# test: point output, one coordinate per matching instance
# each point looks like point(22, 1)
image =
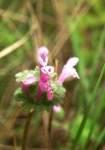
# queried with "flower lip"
point(43, 55)
point(69, 70)
point(43, 49)
point(30, 80)
point(47, 69)
point(72, 61)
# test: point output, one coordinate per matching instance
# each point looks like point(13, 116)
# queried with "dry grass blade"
point(8, 147)
point(37, 37)
point(9, 14)
point(8, 129)
point(63, 36)
point(17, 44)
point(59, 13)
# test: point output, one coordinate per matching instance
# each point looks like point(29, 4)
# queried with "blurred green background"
point(68, 28)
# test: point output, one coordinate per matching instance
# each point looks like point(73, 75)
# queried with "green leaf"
point(57, 101)
point(19, 95)
point(37, 72)
point(27, 106)
point(45, 104)
point(58, 89)
point(29, 102)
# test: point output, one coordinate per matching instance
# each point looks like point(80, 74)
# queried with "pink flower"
point(30, 80)
point(69, 70)
point(44, 85)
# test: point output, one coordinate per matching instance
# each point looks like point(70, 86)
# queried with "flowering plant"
point(39, 89)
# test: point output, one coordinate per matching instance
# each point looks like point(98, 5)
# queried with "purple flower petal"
point(25, 88)
point(47, 69)
point(68, 70)
point(30, 80)
point(43, 55)
point(39, 92)
point(44, 78)
point(72, 61)
point(49, 94)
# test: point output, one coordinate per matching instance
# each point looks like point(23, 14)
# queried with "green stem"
point(49, 129)
point(25, 134)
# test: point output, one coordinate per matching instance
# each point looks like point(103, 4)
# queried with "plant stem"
point(26, 129)
point(49, 128)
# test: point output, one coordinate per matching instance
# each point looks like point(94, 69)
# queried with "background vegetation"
point(68, 28)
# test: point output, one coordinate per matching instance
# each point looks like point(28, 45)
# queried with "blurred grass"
point(86, 115)
point(68, 28)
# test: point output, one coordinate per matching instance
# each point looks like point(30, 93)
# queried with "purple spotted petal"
point(44, 85)
point(49, 95)
point(47, 69)
point(43, 56)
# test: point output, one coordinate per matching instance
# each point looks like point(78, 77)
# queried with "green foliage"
point(21, 76)
point(100, 138)
point(86, 115)
point(28, 105)
point(83, 37)
point(60, 114)
point(31, 102)
point(19, 95)
point(44, 104)
point(58, 89)
point(74, 127)
point(27, 101)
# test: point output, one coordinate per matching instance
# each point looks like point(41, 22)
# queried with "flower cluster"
point(38, 88)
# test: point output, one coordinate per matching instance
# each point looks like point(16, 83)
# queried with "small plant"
point(39, 88)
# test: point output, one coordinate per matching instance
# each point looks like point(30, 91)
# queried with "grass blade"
point(97, 115)
point(88, 109)
point(99, 139)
